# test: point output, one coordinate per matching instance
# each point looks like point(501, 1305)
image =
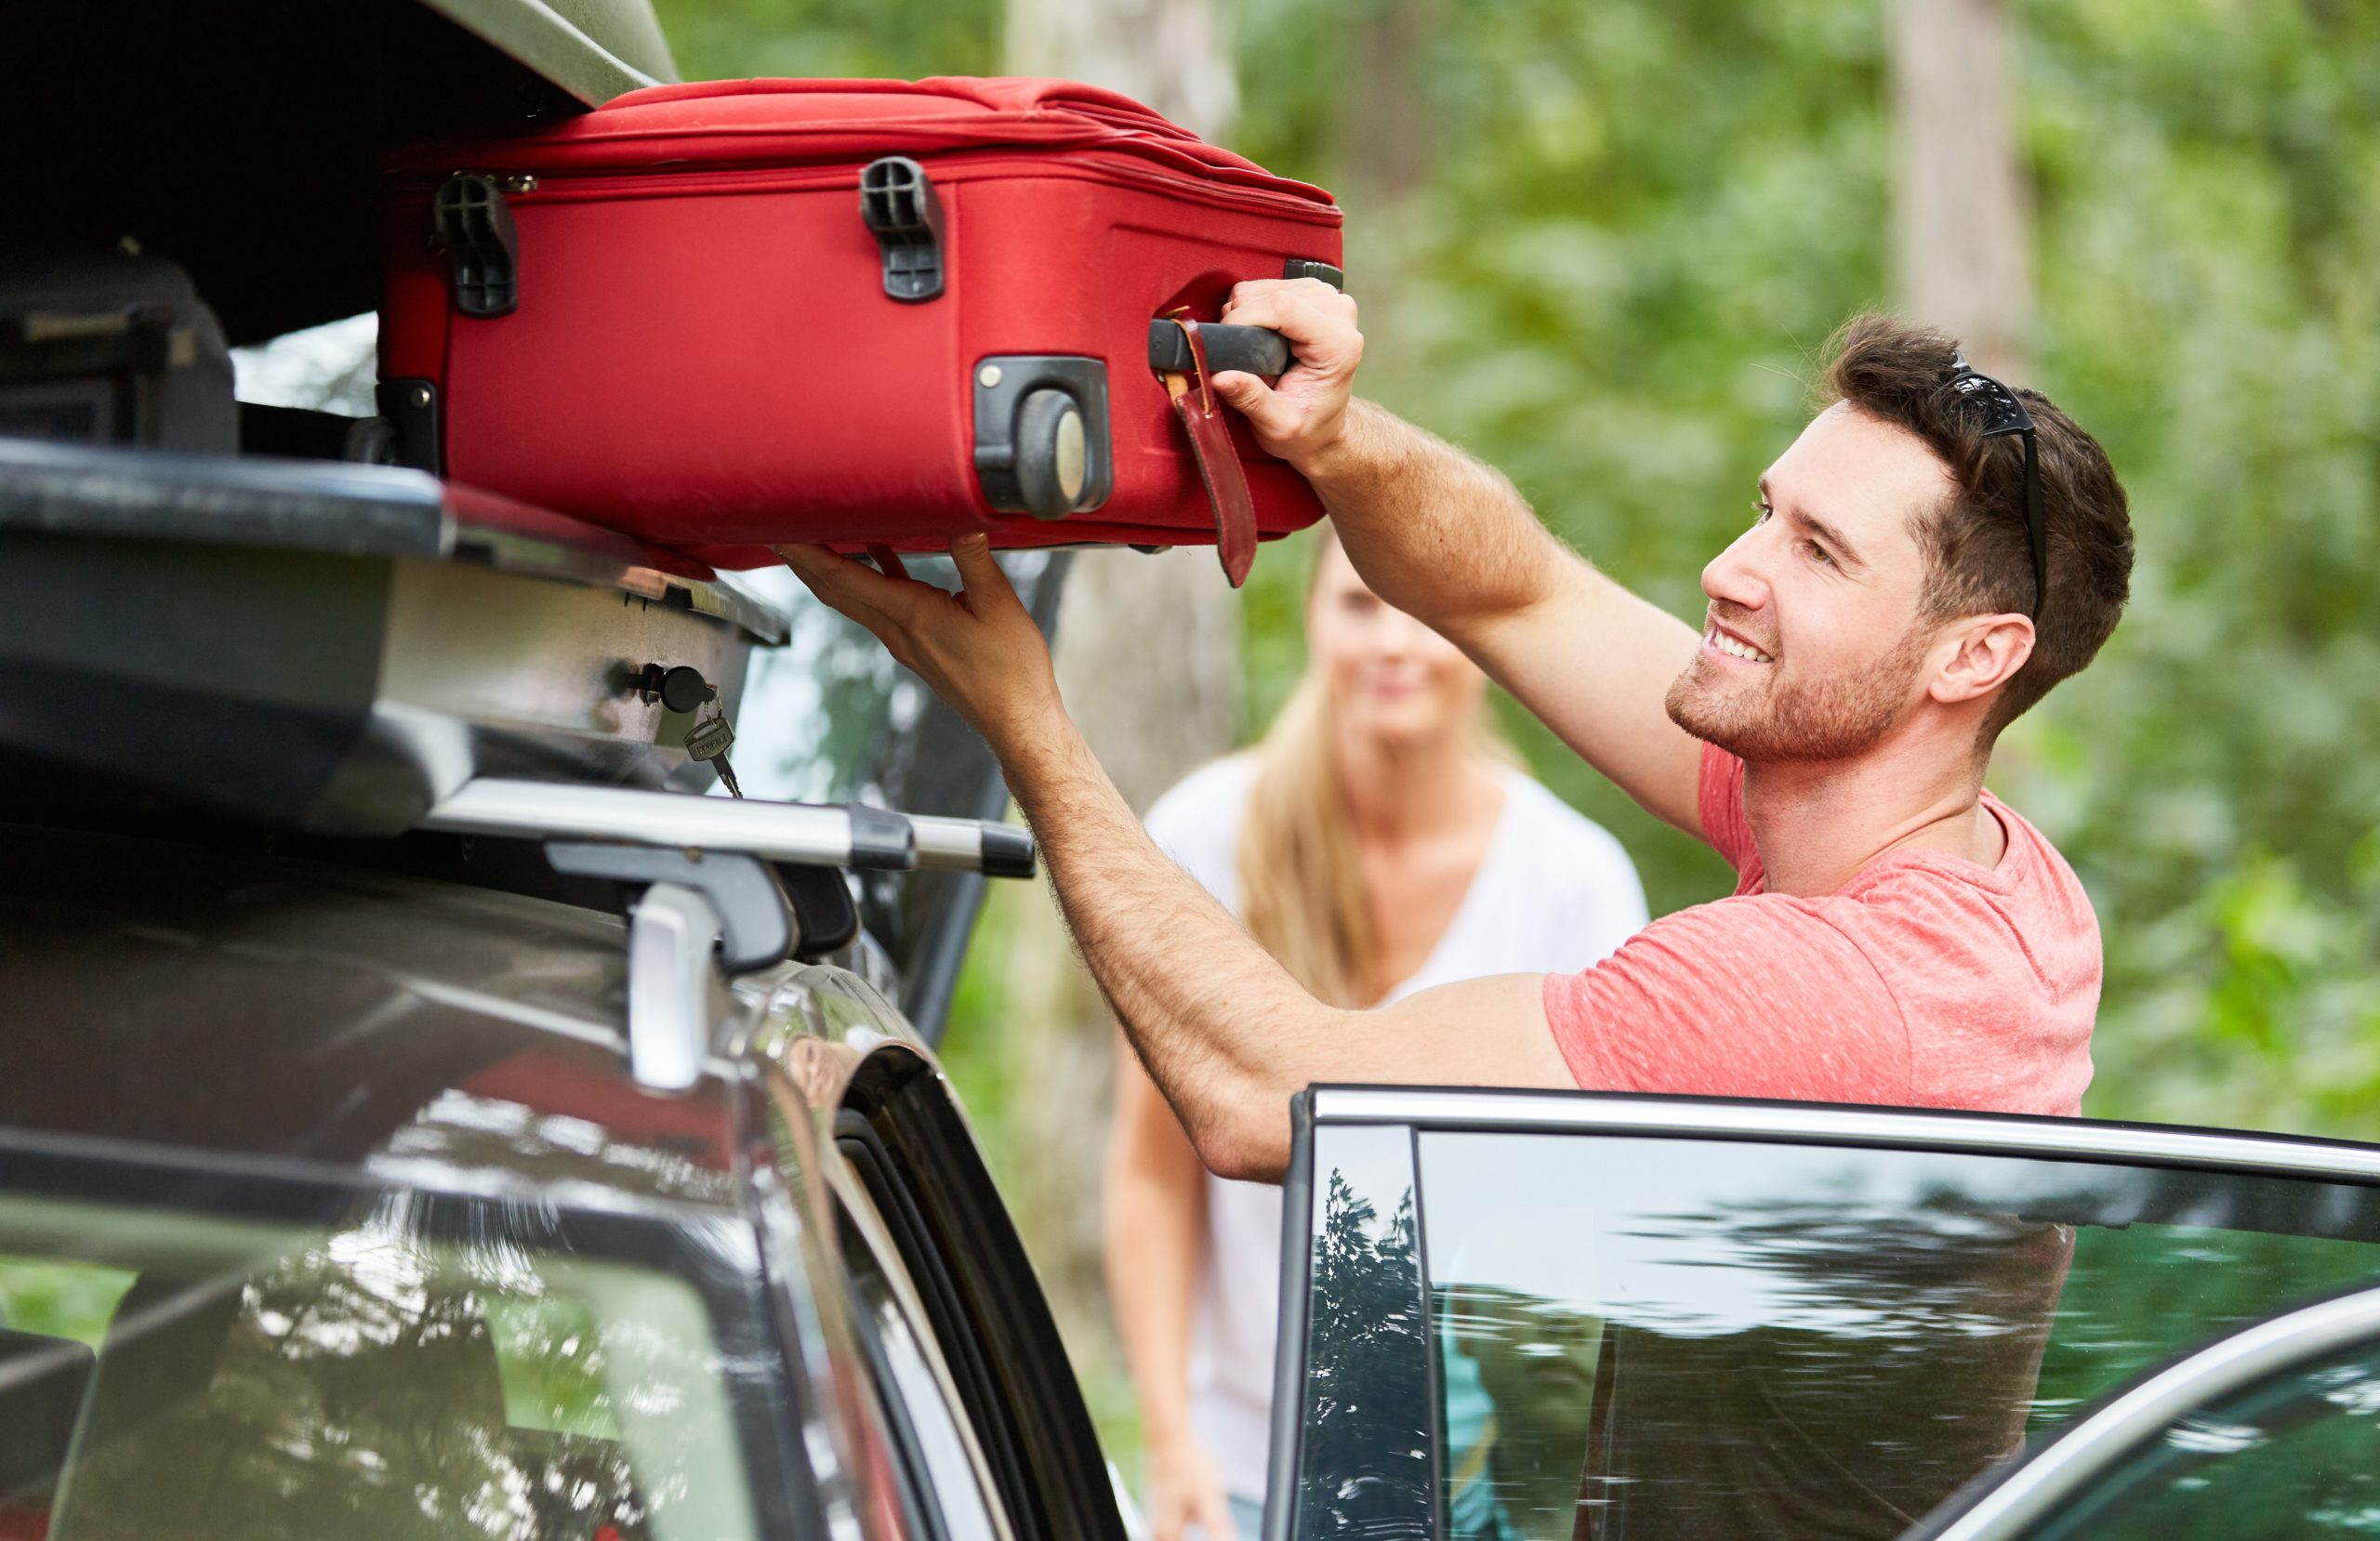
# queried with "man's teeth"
point(1734, 649)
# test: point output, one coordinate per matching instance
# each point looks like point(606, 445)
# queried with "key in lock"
point(710, 740)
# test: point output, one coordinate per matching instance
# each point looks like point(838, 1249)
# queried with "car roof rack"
point(710, 904)
point(818, 835)
point(359, 650)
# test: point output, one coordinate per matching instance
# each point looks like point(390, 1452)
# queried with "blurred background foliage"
point(1600, 242)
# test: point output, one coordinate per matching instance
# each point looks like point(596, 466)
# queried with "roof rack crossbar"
point(824, 835)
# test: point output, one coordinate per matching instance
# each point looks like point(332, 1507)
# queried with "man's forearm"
point(1433, 532)
point(1222, 1028)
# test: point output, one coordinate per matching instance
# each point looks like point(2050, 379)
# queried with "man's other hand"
point(1303, 416)
point(978, 649)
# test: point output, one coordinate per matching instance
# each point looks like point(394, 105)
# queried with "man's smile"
point(1718, 638)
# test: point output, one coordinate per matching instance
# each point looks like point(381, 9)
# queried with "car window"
point(1646, 1337)
point(2298, 1455)
point(1365, 1443)
point(423, 1368)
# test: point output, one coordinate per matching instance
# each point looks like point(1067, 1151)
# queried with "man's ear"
point(1986, 652)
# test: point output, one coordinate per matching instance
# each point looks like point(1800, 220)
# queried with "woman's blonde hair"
point(1302, 894)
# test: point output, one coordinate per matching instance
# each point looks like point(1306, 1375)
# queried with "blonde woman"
point(1378, 842)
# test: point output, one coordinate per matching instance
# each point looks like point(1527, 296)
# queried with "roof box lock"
point(901, 209)
point(471, 223)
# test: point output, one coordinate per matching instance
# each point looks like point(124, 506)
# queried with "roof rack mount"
point(709, 905)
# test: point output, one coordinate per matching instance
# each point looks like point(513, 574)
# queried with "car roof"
point(194, 998)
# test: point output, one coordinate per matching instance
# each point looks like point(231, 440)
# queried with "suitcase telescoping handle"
point(1250, 349)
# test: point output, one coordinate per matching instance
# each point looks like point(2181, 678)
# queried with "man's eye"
point(1760, 512)
point(1818, 553)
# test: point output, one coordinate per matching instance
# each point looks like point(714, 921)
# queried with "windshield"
point(1645, 1338)
point(424, 1368)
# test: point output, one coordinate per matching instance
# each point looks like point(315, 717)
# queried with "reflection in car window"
point(1678, 1339)
point(172, 1375)
point(1366, 1441)
point(2297, 1457)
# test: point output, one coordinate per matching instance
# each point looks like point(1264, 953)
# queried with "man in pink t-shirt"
point(1931, 555)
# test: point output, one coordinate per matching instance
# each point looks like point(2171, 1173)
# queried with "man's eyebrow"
point(1810, 524)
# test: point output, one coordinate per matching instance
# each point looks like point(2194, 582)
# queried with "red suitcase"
point(856, 312)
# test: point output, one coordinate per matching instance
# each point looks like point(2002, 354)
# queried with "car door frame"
point(1627, 1114)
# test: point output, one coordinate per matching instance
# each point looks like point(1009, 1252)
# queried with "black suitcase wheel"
point(1052, 462)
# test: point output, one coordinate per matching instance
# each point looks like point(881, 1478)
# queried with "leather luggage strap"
point(1218, 459)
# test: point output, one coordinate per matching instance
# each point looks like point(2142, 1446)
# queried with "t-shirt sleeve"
point(1720, 797)
point(1746, 997)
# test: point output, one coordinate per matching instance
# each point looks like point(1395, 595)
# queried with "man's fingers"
point(979, 577)
point(1247, 393)
point(841, 582)
point(1298, 309)
point(1248, 291)
point(826, 575)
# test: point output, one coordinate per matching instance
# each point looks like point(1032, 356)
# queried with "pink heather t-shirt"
point(1927, 981)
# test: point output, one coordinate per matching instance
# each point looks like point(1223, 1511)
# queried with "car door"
point(2273, 1431)
point(1517, 1314)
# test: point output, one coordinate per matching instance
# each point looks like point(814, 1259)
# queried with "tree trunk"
point(1168, 54)
point(1961, 220)
point(1385, 113)
point(1148, 659)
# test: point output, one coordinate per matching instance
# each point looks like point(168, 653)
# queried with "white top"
point(1554, 894)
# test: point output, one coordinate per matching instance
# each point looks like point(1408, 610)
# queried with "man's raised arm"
point(1226, 1032)
point(1451, 542)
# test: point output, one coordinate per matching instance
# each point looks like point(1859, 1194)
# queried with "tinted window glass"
point(1698, 1339)
point(165, 1373)
point(1366, 1441)
point(2298, 1456)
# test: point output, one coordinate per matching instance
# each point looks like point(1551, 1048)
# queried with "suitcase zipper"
point(660, 182)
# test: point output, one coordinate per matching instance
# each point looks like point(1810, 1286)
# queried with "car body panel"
point(202, 1029)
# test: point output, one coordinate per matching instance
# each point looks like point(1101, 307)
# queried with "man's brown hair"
point(1978, 560)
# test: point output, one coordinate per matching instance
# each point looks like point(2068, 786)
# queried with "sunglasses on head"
point(2003, 414)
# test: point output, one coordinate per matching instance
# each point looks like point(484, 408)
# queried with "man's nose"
point(1739, 574)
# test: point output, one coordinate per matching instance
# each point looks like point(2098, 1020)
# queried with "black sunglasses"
point(2004, 414)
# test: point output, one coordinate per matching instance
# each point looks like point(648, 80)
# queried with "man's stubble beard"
point(1828, 718)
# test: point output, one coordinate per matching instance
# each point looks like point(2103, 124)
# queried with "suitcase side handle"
point(1249, 349)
